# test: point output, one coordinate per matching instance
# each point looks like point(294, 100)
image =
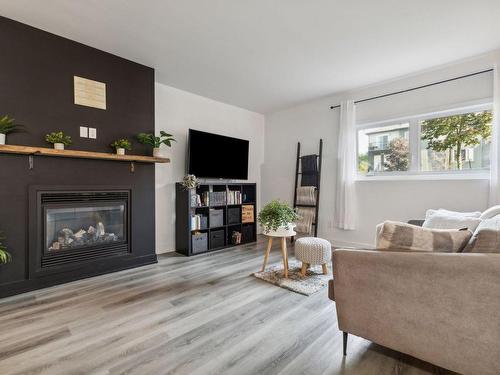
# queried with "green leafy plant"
point(5, 257)
point(453, 133)
point(122, 143)
point(156, 142)
point(276, 214)
point(190, 182)
point(8, 125)
point(58, 137)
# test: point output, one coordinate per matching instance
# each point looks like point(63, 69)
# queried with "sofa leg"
point(345, 342)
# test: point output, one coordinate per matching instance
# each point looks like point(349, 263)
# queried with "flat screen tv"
point(217, 156)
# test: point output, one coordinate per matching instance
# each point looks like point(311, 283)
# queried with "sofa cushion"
point(393, 235)
point(486, 238)
point(443, 220)
point(442, 211)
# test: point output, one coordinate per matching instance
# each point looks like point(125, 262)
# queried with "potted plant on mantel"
point(59, 140)
point(277, 219)
point(7, 125)
point(120, 145)
point(5, 257)
point(150, 139)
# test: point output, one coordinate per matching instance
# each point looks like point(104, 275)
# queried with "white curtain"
point(345, 199)
point(494, 197)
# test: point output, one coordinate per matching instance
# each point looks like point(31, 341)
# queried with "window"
point(384, 148)
point(446, 142)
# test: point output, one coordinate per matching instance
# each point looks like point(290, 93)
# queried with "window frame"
point(415, 144)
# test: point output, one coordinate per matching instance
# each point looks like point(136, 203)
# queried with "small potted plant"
point(5, 257)
point(59, 140)
point(156, 142)
point(277, 219)
point(190, 182)
point(7, 125)
point(120, 145)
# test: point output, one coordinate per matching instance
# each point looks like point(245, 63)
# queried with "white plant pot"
point(120, 151)
point(282, 231)
point(59, 146)
point(158, 152)
point(2, 139)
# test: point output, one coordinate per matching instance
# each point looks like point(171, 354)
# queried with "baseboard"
point(158, 252)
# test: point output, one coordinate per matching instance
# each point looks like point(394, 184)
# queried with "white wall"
point(377, 200)
point(176, 112)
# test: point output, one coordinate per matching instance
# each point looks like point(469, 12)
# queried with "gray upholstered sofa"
point(443, 308)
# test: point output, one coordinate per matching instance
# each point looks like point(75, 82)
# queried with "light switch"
point(93, 133)
point(84, 132)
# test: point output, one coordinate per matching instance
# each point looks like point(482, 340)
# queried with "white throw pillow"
point(442, 221)
point(442, 211)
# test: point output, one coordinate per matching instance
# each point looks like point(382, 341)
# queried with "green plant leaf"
point(275, 215)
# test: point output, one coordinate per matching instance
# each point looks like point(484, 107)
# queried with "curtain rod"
point(417, 88)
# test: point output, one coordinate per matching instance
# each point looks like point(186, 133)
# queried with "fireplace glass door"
point(78, 227)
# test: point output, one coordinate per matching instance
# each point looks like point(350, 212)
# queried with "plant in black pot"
point(120, 145)
point(277, 218)
point(59, 140)
point(156, 142)
point(7, 125)
point(5, 257)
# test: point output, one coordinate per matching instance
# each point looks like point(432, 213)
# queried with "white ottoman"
point(312, 250)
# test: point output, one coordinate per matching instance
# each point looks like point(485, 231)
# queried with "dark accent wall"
point(36, 87)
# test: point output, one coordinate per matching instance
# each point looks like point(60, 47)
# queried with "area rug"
point(312, 283)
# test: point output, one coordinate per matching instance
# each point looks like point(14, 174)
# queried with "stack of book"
point(217, 198)
point(233, 197)
point(200, 200)
point(198, 222)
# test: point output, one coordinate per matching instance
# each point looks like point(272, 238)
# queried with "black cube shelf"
point(200, 228)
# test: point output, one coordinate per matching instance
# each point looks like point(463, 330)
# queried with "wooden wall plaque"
point(90, 93)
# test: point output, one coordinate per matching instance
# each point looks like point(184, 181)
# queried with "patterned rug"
point(312, 283)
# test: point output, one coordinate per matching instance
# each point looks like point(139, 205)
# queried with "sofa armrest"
point(440, 307)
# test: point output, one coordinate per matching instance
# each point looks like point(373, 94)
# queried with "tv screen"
point(217, 156)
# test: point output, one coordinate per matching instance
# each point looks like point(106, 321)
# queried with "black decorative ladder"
point(316, 175)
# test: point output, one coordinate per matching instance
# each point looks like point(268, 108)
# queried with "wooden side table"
point(282, 234)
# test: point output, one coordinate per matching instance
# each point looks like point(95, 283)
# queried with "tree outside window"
point(454, 141)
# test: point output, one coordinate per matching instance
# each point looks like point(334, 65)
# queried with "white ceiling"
point(265, 55)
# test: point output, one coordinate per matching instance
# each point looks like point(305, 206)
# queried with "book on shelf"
point(217, 198)
point(233, 197)
point(198, 222)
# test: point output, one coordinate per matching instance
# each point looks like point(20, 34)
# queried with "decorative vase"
point(59, 146)
point(283, 231)
point(120, 151)
point(2, 139)
point(157, 152)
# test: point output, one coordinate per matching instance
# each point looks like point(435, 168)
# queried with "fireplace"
point(75, 227)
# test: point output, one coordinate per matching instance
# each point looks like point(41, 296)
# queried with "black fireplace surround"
point(77, 227)
point(66, 219)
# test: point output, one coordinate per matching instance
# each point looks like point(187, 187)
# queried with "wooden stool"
point(282, 235)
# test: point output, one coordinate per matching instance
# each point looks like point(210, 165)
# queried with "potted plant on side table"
point(120, 145)
point(150, 139)
point(7, 125)
point(59, 140)
point(277, 219)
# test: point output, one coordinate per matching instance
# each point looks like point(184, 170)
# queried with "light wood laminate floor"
point(200, 315)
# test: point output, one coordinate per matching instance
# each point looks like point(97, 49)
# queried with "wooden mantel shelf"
point(45, 151)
